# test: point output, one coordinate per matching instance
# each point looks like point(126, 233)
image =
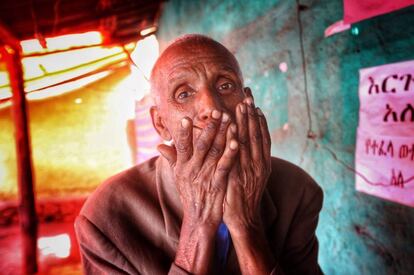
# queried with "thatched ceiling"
point(120, 20)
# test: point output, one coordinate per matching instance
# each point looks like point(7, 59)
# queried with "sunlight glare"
point(67, 87)
point(44, 70)
point(144, 55)
point(147, 31)
point(62, 42)
point(135, 86)
point(58, 246)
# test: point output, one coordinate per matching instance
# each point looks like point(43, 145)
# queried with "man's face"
point(193, 81)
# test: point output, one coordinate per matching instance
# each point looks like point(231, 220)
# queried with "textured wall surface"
point(358, 234)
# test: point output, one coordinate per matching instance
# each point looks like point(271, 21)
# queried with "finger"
point(169, 153)
point(203, 143)
point(219, 143)
point(267, 141)
point(228, 158)
point(231, 186)
point(255, 134)
point(184, 142)
point(231, 132)
point(242, 133)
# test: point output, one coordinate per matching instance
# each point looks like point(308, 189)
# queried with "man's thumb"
point(168, 152)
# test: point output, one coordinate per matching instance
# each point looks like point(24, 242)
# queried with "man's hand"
point(248, 178)
point(201, 175)
point(247, 182)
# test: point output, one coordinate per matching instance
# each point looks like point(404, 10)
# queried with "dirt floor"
point(58, 251)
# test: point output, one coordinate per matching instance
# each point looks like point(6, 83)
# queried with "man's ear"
point(158, 124)
point(247, 92)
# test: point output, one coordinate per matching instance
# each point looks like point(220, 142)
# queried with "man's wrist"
point(195, 247)
point(201, 226)
point(253, 251)
point(244, 229)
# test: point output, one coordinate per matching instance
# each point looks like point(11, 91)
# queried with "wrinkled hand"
point(248, 178)
point(246, 184)
point(201, 171)
point(201, 175)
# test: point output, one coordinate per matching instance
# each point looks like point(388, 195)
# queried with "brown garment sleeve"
point(100, 256)
point(277, 270)
point(300, 254)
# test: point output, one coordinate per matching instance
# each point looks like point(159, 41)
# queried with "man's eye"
point(226, 86)
point(183, 94)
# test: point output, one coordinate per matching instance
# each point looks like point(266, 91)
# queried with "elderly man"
point(215, 202)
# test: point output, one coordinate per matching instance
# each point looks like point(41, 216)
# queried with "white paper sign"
point(384, 157)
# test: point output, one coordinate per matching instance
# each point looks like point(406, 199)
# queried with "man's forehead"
point(181, 59)
point(192, 64)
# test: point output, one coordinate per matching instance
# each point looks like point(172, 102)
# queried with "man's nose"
point(208, 101)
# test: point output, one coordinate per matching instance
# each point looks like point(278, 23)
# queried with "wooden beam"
point(11, 52)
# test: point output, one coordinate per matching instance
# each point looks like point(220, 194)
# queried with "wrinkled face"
point(194, 80)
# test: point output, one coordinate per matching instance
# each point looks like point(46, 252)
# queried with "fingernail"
point(259, 111)
point(233, 128)
point(242, 108)
point(185, 123)
point(233, 144)
point(215, 114)
point(225, 117)
point(249, 101)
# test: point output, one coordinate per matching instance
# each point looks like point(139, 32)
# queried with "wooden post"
point(11, 53)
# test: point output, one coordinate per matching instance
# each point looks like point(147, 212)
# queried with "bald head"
point(183, 49)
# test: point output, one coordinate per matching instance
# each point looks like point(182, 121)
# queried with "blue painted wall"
point(358, 234)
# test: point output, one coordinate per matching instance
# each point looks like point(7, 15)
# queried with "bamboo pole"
point(11, 53)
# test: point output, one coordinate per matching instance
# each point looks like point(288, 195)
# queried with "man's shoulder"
point(289, 185)
point(129, 186)
point(289, 176)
